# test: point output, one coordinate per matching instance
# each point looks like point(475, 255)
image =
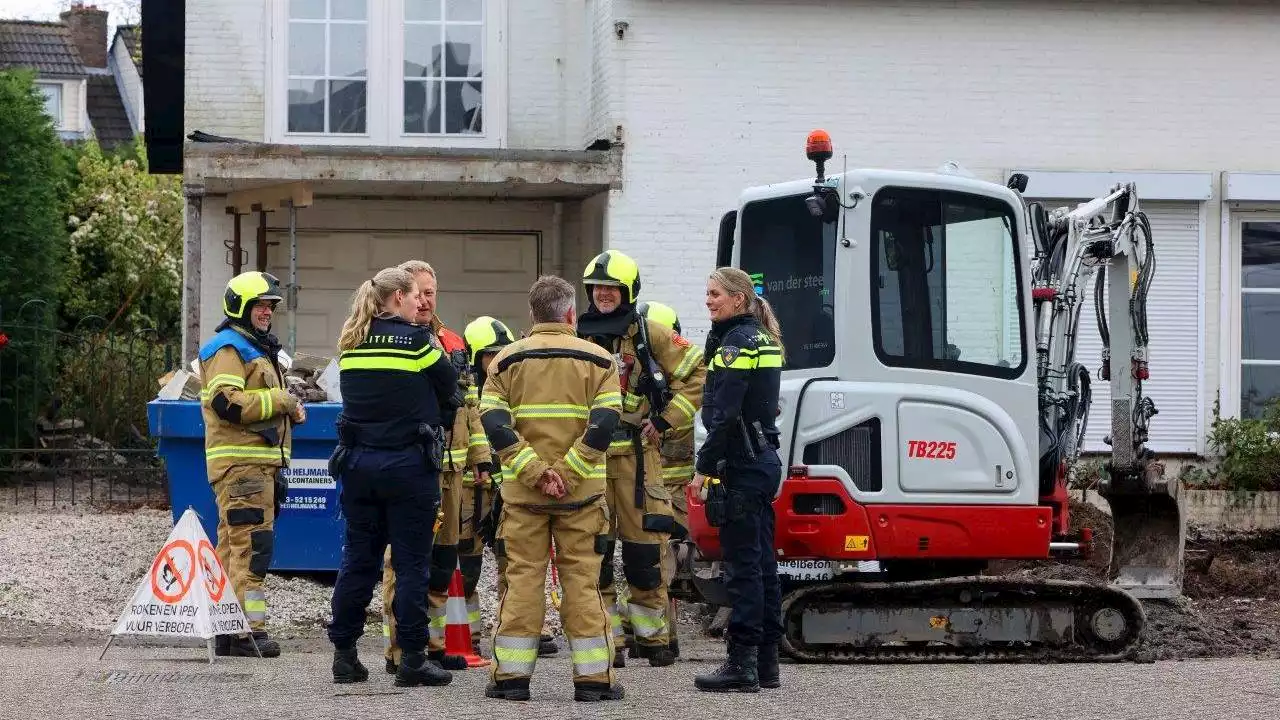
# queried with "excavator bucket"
point(1149, 536)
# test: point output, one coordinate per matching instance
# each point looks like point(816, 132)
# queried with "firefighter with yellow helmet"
point(677, 471)
point(662, 376)
point(248, 416)
point(484, 337)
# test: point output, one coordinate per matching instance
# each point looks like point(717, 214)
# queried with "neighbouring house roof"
point(106, 111)
point(131, 36)
point(45, 47)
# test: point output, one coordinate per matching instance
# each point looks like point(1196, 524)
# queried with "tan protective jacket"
point(246, 411)
point(686, 373)
point(551, 401)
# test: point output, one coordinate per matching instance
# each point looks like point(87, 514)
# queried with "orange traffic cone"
point(457, 629)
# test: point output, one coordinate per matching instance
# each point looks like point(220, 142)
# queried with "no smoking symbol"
point(173, 571)
point(215, 578)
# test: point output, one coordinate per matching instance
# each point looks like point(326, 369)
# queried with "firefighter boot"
point(737, 674)
point(510, 689)
point(416, 669)
point(242, 646)
point(347, 667)
point(767, 667)
point(597, 691)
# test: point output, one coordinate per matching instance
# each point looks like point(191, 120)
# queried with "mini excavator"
point(931, 408)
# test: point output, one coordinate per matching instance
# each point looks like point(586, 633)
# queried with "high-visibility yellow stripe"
point(677, 472)
point(478, 439)
point(607, 400)
point(422, 352)
point(522, 458)
point(631, 403)
point(226, 380)
point(683, 405)
point(551, 410)
point(255, 605)
point(586, 469)
point(245, 451)
point(494, 402)
point(687, 364)
point(368, 361)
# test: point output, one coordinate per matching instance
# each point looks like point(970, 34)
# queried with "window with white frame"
point(443, 67)
point(1259, 316)
point(328, 66)
point(387, 72)
point(52, 101)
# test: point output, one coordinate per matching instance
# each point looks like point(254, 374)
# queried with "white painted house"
point(459, 131)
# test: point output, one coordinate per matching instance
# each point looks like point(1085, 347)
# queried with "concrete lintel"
point(241, 165)
point(271, 197)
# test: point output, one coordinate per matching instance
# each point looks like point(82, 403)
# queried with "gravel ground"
point(92, 561)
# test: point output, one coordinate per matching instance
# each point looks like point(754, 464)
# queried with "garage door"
point(480, 274)
point(1173, 321)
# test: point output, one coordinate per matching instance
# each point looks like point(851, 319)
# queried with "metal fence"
point(73, 411)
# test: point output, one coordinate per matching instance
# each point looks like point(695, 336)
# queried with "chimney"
point(88, 27)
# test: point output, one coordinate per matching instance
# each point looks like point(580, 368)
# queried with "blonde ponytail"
point(370, 298)
point(737, 282)
point(763, 313)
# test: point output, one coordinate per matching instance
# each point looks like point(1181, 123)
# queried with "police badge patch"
point(728, 354)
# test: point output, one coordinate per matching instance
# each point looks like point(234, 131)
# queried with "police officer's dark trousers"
point(388, 496)
point(755, 597)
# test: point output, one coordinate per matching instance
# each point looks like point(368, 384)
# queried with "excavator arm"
point(1106, 242)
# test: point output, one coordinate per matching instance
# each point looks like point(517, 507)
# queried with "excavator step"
point(967, 619)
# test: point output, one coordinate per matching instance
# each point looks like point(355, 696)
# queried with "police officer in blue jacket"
point(740, 401)
point(397, 396)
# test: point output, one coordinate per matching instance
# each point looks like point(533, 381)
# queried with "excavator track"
point(963, 619)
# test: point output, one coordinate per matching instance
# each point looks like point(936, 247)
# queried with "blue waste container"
point(310, 528)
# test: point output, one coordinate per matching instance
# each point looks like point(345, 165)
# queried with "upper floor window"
point(52, 101)
point(390, 72)
point(328, 66)
point(944, 283)
point(443, 67)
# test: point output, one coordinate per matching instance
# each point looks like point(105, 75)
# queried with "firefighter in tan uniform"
point(483, 337)
point(247, 417)
point(459, 456)
point(549, 407)
point(677, 470)
point(661, 377)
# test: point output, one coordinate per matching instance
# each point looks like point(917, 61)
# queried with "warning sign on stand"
point(186, 592)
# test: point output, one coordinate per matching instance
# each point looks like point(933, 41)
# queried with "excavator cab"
point(931, 400)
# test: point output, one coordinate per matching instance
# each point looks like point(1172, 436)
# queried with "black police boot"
point(674, 645)
point(448, 662)
point(619, 658)
point(513, 689)
point(547, 646)
point(241, 646)
point(597, 691)
point(737, 674)
point(767, 667)
point(347, 667)
point(658, 655)
point(222, 645)
point(416, 669)
point(392, 667)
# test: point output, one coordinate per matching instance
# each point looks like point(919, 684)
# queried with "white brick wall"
point(225, 67)
point(718, 96)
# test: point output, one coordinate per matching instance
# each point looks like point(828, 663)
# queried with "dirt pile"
point(1231, 586)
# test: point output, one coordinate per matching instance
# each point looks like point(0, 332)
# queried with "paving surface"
point(47, 680)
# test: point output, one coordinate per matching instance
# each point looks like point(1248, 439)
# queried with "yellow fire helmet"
point(246, 289)
point(662, 314)
point(485, 334)
point(614, 268)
